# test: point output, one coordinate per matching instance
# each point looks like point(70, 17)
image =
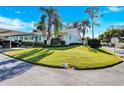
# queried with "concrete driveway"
point(15, 72)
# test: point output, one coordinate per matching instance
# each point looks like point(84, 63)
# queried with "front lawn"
point(80, 57)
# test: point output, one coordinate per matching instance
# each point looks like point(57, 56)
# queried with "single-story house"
point(68, 35)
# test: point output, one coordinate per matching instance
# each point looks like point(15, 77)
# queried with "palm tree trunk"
point(92, 28)
point(49, 33)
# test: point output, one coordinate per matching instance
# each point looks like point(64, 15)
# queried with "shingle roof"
point(6, 32)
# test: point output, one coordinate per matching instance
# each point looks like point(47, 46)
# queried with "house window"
point(70, 37)
point(26, 38)
point(21, 38)
point(31, 38)
point(39, 38)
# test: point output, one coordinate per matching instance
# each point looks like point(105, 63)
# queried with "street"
point(14, 72)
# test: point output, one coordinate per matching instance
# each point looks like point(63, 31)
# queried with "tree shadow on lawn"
point(40, 56)
point(28, 53)
point(34, 55)
point(8, 70)
point(96, 50)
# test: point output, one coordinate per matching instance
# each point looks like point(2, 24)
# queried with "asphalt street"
point(15, 72)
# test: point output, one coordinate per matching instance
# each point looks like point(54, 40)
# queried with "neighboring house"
point(120, 44)
point(21, 36)
point(68, 35)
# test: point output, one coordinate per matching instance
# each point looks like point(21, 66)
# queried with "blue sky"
point(22, 18)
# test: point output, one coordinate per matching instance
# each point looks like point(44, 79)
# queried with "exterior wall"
point(69, 36)
point(72, 37)
point(28, 38)
point(120, 45)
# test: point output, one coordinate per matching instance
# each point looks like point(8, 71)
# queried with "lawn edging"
point(101, 67)
point(61, 67)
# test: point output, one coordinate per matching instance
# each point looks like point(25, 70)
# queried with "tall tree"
point(85, 25)
point(94, 15)
point(57, 26)
point(42, 25)
point(82, 26)
point(53, 20)
point(49, 12)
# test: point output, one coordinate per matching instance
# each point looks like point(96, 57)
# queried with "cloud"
point(15, 24)
point(105, 11)
point(20, 12)
point(113, 9)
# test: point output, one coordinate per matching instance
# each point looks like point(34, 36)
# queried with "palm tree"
point(82, 26)
point(42, 25)
point(50, 13)
point(85, 26)
point(57, 26)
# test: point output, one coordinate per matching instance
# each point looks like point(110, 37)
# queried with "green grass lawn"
point(81, 57)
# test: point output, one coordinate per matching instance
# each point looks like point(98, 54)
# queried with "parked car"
point(6, 44)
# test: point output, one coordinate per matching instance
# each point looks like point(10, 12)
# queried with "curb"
point(60, 67)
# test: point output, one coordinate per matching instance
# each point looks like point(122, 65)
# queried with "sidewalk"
point(9, 49)
point(118, 51)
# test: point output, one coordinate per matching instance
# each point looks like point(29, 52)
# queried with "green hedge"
point(55, 41)
point(75, 44)
point(35, 44)
point(94, 43)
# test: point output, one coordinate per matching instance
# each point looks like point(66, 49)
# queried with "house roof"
point(6, 32)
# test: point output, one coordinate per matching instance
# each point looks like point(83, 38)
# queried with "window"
point(26, 38)
point(21, 38)
point(39, 38)
point(70, 37)
point(31, 38)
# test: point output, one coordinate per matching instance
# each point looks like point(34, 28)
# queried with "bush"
point(26, 44)
point(62, 42)
point(94, 43)
point(55, 41)
point(51, 46)
point(36, 44)
point(75, 44)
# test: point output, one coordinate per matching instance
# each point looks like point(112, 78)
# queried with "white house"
point(68, 35)
point(71, 36)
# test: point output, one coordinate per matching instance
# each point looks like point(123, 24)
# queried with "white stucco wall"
point(72, 36)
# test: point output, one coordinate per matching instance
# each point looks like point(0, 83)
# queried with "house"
point(71, 36)
point(120, 44)
point(21, 36)
point(68, 35)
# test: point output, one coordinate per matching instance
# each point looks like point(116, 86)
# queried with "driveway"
point(15, 72)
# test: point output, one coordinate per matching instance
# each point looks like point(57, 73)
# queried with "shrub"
point(62, 42)
point(55, 41)
point(36, 44)
point(75, 44)
point(94, 43)
point(26, 44)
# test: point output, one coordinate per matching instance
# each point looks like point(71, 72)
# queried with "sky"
point(23, 18)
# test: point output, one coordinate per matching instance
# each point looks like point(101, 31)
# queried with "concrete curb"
point(61, 67)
